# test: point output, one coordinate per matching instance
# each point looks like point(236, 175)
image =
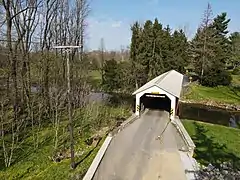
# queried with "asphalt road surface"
point(137, 152)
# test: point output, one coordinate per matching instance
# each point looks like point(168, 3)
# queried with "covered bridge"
point(162, 92)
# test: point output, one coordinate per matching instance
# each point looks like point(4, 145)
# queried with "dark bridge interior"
point(155, 101)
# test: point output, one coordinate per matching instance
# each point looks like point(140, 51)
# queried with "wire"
point(161, 135)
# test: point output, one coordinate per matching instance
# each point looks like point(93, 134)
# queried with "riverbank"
point(222, 96)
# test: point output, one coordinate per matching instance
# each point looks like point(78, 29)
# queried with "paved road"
point(136, 153)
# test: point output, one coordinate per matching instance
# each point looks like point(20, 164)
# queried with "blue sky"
point(111, 19)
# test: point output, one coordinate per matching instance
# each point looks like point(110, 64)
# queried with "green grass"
point(221, 94)
point(95, 79)
point(36, 163)
point(95, 74)
point(236, 80)
point(214, 143)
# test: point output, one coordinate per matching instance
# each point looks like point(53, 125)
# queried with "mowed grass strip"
point(220, 94)
point(236, 80)
point(214, 143)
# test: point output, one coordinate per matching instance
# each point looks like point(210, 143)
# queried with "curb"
point(130, 120)
point(190, 166)
point(186, 137)
point(96, 161)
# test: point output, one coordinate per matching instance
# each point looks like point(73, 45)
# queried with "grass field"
point(95, 74)
point(214, 143)
point(95, 79)
point(236, 80)
point(36, 163)
point(221, 94)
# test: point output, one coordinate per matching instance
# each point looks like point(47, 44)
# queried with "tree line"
point(208, 56)
point(33, 74)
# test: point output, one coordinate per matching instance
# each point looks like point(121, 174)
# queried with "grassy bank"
point(217, 95)
point(214, 143)
point(37, 163)
point(236, 80)
point(95, 79)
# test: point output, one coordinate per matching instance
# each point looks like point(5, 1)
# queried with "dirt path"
point(137, 153)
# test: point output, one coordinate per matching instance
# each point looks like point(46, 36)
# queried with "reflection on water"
point(191, 111)
point(97, 97)
point(209, 114)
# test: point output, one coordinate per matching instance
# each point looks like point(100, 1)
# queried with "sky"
point(111, 19)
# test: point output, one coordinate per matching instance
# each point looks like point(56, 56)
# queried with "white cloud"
point(117, 24)
point(154, 1)
point(114, 32)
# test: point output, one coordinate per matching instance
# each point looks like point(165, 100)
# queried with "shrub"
point(215, 77)
point(236, 71)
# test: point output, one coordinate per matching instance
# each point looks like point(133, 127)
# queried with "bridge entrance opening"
point(155, 101)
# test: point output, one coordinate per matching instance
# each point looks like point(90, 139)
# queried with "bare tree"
point(205, 25)
point(12, 48)
point(49, 8)
point(203, 43)
point(25, 24)
point(49, 22)
point(76, 36)
point(13, 11)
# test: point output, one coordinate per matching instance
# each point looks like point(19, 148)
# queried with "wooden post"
point(68, 48)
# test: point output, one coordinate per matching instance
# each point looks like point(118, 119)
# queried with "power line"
point(4, 40)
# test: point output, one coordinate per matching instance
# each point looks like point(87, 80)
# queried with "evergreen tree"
point(180, 48)
point(156, 62)
point(124, 70)
point(216, 76)
point(223, 49)
point(146, 50)
point(167, 49)
point(137, 69)
point(111, 78)
point(155, 50)
point(235, 48)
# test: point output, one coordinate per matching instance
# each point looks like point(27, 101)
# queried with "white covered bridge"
point(152, 146)
point(162, 92)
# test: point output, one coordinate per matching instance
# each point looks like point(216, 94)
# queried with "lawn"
point(95, 74)
point(236, 80)
point(214, 143)
point(36, 163)
point(95, 79)
point(220, 94)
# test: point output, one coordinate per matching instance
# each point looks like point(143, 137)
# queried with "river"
point(210, 114)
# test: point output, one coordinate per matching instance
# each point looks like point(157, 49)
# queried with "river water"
point(198, 112)
point(190, 111)
point(209, 114)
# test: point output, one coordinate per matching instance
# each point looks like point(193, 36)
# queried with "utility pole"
point(102, 48)
point(68, 49)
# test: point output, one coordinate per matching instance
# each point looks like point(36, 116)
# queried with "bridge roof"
point(170, 81)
